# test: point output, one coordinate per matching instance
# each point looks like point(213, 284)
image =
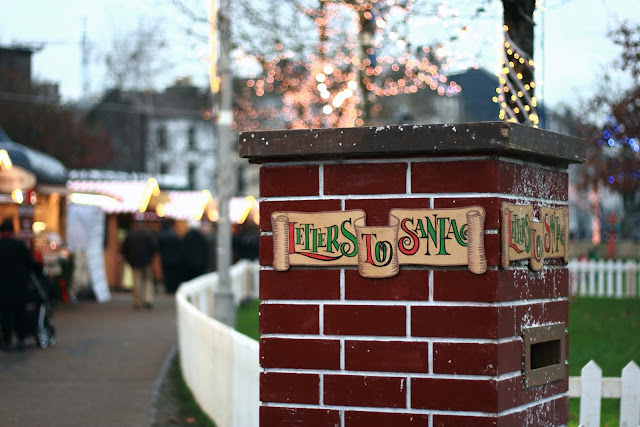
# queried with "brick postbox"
point(413, 275)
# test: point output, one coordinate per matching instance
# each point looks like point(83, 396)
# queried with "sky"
point(572, 49)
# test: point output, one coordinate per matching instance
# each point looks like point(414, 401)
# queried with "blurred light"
point(39, 226)
point(91, 199)
point(151, 189)
point(5, 160)
point(327, 109)
point(17, 196)
point(611, 142)
point(611, 180)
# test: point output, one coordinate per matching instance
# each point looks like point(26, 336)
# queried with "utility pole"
point(84, 48)
point(223, 305)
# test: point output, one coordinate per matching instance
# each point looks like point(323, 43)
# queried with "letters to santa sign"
point(429, 237)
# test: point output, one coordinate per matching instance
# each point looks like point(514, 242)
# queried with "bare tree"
point(137, 57)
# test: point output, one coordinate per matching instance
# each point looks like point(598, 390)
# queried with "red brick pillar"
point(430, 346)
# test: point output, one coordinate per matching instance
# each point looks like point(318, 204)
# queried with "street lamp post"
point(223, 305)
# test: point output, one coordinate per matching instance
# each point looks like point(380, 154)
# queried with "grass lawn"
point(607, 331)
point(247, 318)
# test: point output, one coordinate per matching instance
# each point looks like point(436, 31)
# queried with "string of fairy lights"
point(514, 86)
point(364, 54)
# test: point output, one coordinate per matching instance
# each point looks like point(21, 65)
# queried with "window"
point(164, 168)
point(161, 136)
point(192, 138)
point(192, 176)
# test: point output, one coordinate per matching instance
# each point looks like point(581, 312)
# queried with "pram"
point(38, 313)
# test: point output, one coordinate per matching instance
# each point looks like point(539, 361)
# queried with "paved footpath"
point(101, 372)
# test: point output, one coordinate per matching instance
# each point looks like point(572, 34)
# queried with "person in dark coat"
point(195, 252)
point(138, 249)
point(170, 248)
point(16, 265)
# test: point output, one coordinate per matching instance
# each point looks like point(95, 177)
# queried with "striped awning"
point(144, 196)
point(186, 205)
point(123, 196)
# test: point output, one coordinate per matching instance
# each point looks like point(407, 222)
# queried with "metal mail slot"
point(544, 354)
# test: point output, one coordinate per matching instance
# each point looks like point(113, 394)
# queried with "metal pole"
point(223, 305)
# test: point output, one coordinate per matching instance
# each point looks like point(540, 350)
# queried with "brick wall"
point(439, 347)
point(430, 346)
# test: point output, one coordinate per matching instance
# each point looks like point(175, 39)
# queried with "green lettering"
point(443, 237)
point(332, 239)
point(433, 234)
point(348, 249)
point(456, 233)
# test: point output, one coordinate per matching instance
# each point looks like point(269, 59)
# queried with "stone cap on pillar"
point(496, 138)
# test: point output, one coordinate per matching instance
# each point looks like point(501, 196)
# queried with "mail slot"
point(544, 354)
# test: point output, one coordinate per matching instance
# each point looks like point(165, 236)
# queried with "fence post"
point(573, 277)
point(609, 278)
point(619, 266)
point(599, 283)
point(632, 268)
point(630, 402)
point(590, 395)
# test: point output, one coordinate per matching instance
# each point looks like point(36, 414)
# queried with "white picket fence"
point(220, 365)
point(612, 279)
point(591, 387)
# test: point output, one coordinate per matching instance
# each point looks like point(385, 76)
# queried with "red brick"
point(540, 285)
point(299, 353)
point(492, 249)
point(463, 285)
point(463, 395)
point(528, 315)
point(477, 359)
point(365, 320)
point(295, 180)
point(387, 356)
point(474, 176)
point(378, 209)
point(395, 419)
point(272, 416)
point(517, 419)
point(491, 206)
point(495, 285)
point(533, 394)
point(556, 311)
point(317, 205)
point(265, 248)
point(462, 322)
point(407, 285)
point(562, 411)
point(561, 282)
point(355, 390)
point(300, 284)
point(289, 319)
point(542, 414)
point(365, 178)
point(535, 182)
point(289, 387)
point(488, 176)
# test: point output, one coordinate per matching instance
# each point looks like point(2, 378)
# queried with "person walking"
point(138, 249)
point(170, 255)
point(196, 252)
point(16, 266)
